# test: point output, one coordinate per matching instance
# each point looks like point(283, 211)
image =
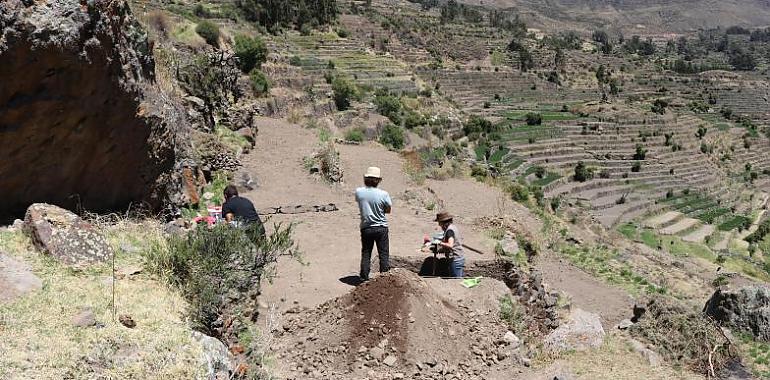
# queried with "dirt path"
point(585, 291)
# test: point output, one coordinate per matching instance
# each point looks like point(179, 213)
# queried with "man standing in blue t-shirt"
point(373, 204)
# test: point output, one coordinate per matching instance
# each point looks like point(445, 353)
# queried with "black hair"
point(371, 182)
point(230, 191)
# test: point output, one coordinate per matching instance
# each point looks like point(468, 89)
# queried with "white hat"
point(373, 172)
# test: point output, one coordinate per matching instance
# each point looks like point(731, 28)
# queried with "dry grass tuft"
point(685, 337)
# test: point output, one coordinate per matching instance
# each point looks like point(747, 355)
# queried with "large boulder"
point(582, 331)
point(746, 309)
point(16, 279)
point(83, 123)
point(219, 362)
point(65, 236)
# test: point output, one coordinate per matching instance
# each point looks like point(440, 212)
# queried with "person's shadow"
point(351, 280)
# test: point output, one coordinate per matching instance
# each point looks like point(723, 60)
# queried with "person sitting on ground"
point(451, 244)
point(238, 210)
point(373, 204)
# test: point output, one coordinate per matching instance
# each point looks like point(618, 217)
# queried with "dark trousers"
point(370, 236)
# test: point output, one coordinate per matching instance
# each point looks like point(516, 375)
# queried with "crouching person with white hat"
point(373, 204)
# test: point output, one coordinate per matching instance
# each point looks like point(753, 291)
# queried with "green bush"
point(344, 91)
point(213, 266)
point(355, 135)
point(582, 172)
point(640, 153)
point(209, 32)
point(413, 120)
point(533, 118)
point(388, 106)
point(250, 51)
point(519, 193)
point(393, 136)
point(476, 126)
point(259, 82)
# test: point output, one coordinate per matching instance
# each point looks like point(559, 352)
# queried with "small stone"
point(625, 324)
point(127, 321)
point(377, 353)
point(85, 318)
point(390, 361)
point(511, 339)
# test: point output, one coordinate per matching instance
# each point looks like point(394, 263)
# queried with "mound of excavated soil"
point(394, 326)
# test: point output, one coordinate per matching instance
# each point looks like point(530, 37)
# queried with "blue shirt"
point(372, 203)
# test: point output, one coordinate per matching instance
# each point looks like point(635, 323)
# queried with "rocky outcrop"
point(65, 236)
point(746, 309)
point(583, 331)
point(16, 279)
point(82, 122)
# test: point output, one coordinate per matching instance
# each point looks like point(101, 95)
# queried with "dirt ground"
point(330, 241)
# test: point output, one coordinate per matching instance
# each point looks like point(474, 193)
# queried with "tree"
point(250, 51)
point(526, 62)
point(344, 90)
point(742, 60)
point(601, 37)
point(559, 59)
point(275, 14)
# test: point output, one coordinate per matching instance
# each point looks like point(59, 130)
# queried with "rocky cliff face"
point(81, 120)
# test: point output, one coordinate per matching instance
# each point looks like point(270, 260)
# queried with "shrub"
point(659, 106)
point(479, 172)
point(259, 82)
point(582, 172)
point(295, 60)
point(355, 135)
point(636, 167)
point(211, 265)
point(393, 136)
point(640, 153)
point(477, 126)
point(250, 51)
point(209, 32)
point(685, 337)
point(201, 11)
point(540, 172)
point(519, 193)
point(342, 33)
point(388, 106)
point(534, 118)
point(344, 90)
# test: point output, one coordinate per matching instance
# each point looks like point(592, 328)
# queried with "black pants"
point(369, 236)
